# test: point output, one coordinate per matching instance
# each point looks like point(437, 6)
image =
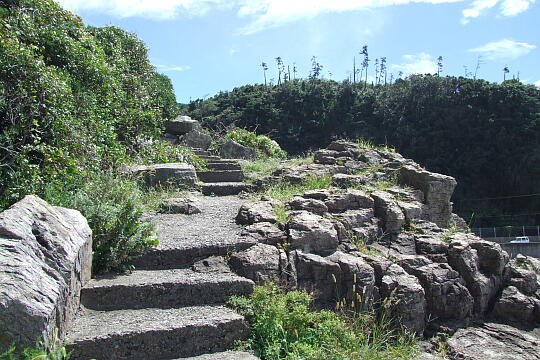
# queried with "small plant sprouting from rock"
point(43, 350)
point(449, 233)
point(366, 144)
point(281, 214)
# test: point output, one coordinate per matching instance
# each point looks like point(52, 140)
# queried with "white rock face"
point(45, 260)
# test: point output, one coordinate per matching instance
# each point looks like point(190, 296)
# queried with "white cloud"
point(168, 68)
point(157, 9)
point(537, 84)
point(506, 8)
point(504, 50)
point(421, 63)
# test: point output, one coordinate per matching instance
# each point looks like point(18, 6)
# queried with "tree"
point(439, 65)
point(316, 68)
point(505, 71)
point(264, 67)
point(279, 62)
point(365, 62)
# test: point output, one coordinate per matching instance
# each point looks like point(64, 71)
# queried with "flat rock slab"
point(215, 176)
point(495, 342)
point(179, 174)
point(162, 289)
point(227, 355)
point(226, 189)
point(155, 333)
point(184, 239)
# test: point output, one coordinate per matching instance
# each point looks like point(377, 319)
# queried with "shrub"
point(113, 206)
point(265, 146)
point(283, 326)
point(157, 151)
point(43, 350)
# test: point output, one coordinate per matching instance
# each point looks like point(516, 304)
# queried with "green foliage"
point(265, 146)
point(283, 326)
point(73, 100)
point(162, 152)
point(281, 214)
point(259, 168)
point(43, 350)
point(284, 191)
point(487, 135)
point(113, 206)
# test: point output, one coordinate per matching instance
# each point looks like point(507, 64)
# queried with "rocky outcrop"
point(179, 206)
point(230, 149)
point(178, 174)
point(45, 259)
point(182, 125)
point(196, 139)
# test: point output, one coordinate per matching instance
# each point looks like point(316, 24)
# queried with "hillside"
point(486, 135)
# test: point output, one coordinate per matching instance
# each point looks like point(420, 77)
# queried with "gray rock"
point(266, 233)
point(492, 258)
point(524, 280)
point(446, 294)
point(233, 150)
point(494, 342)
point(178, 174)
point(388, 210)
point(437, 189)
point(312, 205)
point(196, 139)
point(355, 218)
point(45, 259)
point(514, 306)
point(170, 138)
point(349, 200)
point(251, 213)
point(182, 125)
point(407, 297)
point(311, 233)
point(348, 180)
point(298, 173)
point(259, 263)
point(179, 206)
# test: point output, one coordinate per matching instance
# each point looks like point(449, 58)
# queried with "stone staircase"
point(171, 307)
point(223, 176)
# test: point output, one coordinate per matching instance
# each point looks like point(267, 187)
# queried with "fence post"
point(480, 231)
point(523, 226)
point(538, 230)
point(495, 231)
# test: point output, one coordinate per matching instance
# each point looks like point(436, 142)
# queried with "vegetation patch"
point(284, 326)
point(265, 146)
point(285, 191)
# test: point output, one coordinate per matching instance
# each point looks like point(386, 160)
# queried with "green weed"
point(43, 350)
point(281, 214)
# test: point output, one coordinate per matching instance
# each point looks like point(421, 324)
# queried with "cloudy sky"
point(206, 46)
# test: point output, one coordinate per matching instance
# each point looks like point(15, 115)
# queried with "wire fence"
point(507, 231)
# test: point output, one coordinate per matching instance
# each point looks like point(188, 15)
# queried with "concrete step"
point(209, 157)
point(226, 355)
point(225, 188)
point(162, 289)
point(184, 255)
point(201, 152)
point(214, 176)
point(155, 333)
point(223, 165)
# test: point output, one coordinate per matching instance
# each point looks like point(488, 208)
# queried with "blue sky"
point(206, 46)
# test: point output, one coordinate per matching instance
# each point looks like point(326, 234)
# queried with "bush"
point(265, 146)
point(284, 327)
point(113, 206)
point(161, 152)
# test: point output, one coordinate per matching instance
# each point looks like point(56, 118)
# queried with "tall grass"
point(283, 326)
point(284, 191)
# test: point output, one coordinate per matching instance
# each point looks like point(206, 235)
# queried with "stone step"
point(184, 255)
point(209, 157)
point(226, 355)
point(223, 165)
point(162, 289)
point(214, 176)
point(155, 333)
point(225, 188)
point(201, 152)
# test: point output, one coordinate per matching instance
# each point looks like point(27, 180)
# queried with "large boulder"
point(182, 125)
point(196, 139)
point(259, 263)
point(177, 174)
point(312, 233)
point(493, 342)
point(251, 213)
point(45, 259)
point(437, 189)
point(515, 306)
point(233, 150)
point(389, 211)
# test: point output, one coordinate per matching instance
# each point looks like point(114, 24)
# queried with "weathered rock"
point(492, 258)
point(493, 342)
point(437, 189)
point(233, 150)
point(182, 125)
point(317, 194)
point(524, 280)
point(514, 306)
point(349, 200)
point(348, 180)
point(259, 263)
point(446, 294)
point(196, 139)
point(528, 263)
point(298, 173)
point(251, 213)
point(407, 297)
point(355, 218)
point(179, 206)
point(312, 205)
point(388, 210)
point(312, 233)
point(170, 138)
point(45, 259)
point(266, 233)
point(483, 287)
point(178, 174)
